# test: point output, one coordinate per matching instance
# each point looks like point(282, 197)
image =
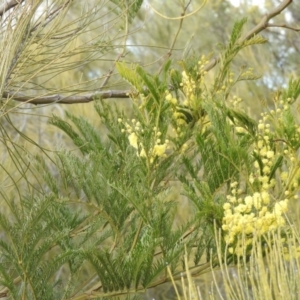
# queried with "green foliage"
point(127, 8)
point(255, 40)
point(293, 90)
point(104, 219)
point(28, 261)
point(125, 199)
point(229, 52)
point(131, 76)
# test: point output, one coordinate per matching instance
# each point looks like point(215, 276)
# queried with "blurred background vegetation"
point(75, 51)
point(99, 36)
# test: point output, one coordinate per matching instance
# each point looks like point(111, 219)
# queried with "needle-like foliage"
point(181, 181)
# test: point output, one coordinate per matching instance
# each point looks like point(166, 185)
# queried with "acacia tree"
point(102, 221)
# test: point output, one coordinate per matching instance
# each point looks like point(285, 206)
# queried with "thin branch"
point(49, 18)
point(181, 16)
point(121, 54)
point(75, 99)
point(263, 24)
point(176, 35)
point(264, 21)
point(284, 26)
point(9, 5)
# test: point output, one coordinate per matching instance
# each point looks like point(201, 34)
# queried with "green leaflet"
point(131, 76)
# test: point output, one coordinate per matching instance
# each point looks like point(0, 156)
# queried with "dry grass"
point(271, 276)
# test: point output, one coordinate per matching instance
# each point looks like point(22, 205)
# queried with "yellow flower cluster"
point(177, 115)
point(189, 88)
point(267, 157)
point(252, 214)
point(265, 151)
point(201, 65)
point(290, 178)
point(235, 101)
point(189, 85)
point(255, 214)
point(134, 131)
point(171, 99)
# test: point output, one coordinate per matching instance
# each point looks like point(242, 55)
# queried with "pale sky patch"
point(237, 3)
